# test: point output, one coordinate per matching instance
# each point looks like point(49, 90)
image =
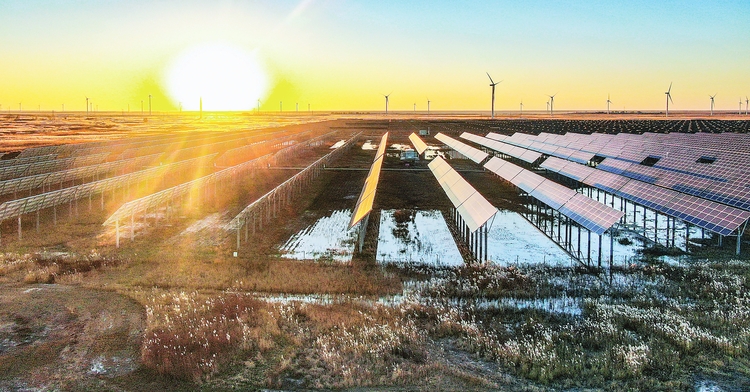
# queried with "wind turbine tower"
point(608, 102)
point(493, 84)
point(747, 101)
point(386, 102)
point(428, 106)
point(669, 98)
point(87, 106)
point(149, 104)
point(739, 112)
point(712, 103)
point(552, 104)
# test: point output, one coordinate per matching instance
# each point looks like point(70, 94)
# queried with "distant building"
point(424, 132)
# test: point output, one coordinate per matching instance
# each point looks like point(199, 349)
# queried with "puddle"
point(415, 236)
point(328, 238)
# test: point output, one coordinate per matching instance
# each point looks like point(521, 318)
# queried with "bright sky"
point(343, 55)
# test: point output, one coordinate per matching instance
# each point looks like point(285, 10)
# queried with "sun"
point(223, 76)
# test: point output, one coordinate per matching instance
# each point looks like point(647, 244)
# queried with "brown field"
point(174, 309)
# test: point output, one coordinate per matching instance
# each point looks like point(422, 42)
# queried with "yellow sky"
point(342, 55)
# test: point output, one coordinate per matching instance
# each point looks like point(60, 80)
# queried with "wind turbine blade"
point(670, 88)
point(491, 81)
point(670, 98)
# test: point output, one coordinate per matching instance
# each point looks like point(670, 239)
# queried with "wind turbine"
point(548, 106)
point(747, 101)
point(712, 103)
point(87, 106)
point(428, 106)
point(386, 101)
point(740, 112)
point(552, 103)
point(493, 84)
point(415, 107)
point(522, 107)
point(669, 98)
point(149, 104)
point(608, 102)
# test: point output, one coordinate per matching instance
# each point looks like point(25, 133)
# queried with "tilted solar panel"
point(419, 145)
point(470, 204)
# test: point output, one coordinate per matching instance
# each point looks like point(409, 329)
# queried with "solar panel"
point(507, 149)
point(471, 153)
point(419, 145)
point(588, 213)
point(381, 147)
point(708, 214)
point(470, 204)
point(367, 196)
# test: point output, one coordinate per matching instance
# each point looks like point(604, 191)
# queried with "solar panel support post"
point(37, 221)
point(588, 248)
point(599, 260)
point(54, 215)
point(721, 237)
point(740, 233)
point(687, 235)
point(19, 228)
point(611, 254)
point(656, 226)
point(117, 233)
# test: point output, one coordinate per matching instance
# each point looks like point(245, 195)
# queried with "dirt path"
point(54, 336)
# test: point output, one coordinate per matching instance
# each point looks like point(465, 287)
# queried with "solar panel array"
point(419, 145)
point(29, 169)
point(161, 198)
point(367, 196)
point(474, 209)
point(710, 166)
point(587, 212)
point(295, 181)
point(523, 154)
point(21, 161)
point(472, 153)
point(717, 217)
point(42, 201)
point(76, 174)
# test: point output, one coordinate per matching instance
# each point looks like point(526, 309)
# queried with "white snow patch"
point(367, 145)
point(329, 238)
point(338, 144)
point(401, 147)
point(513, 240)
point(424, 239)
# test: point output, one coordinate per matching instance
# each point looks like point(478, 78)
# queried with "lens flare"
point(225, 77)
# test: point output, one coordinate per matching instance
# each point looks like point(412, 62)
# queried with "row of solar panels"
point(240, 218)
point(30, 169)
point(717, 217)
point(710, 215)
point(727, 183)
point(157, 199)
point(367, 196)
point(43, 201)
point(75, 174)
point(473, 208)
